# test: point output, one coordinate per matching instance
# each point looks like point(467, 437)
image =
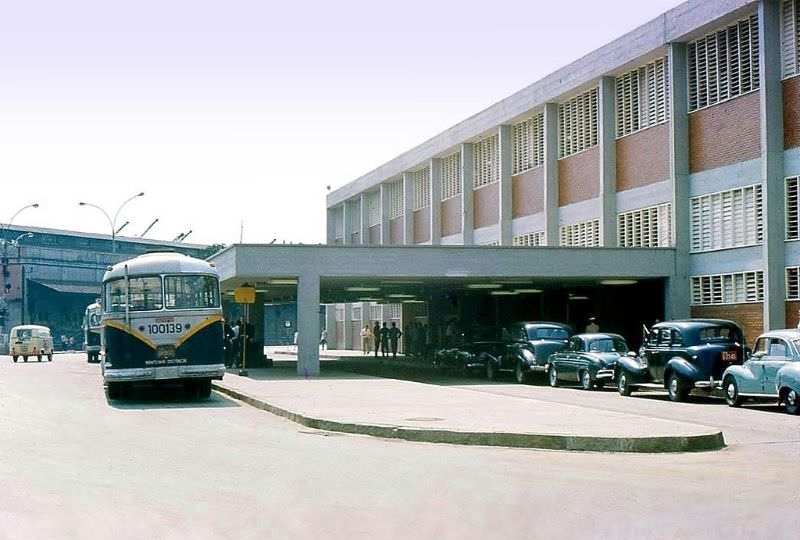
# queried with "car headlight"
point(643, 361)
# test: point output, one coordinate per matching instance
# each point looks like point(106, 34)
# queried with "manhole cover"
point(425, 419)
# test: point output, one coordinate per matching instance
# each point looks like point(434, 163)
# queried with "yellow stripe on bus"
point(196, 328)
point(130, 331)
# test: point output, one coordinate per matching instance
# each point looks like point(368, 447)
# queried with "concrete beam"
point(436, 201)
point(551, 174)
point(467, 195)
point(506, 142)
point(608, 162)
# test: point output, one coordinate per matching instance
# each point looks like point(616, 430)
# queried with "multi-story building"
point(684, 134)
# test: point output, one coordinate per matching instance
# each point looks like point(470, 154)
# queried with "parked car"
point(590, 359)
point(771, 372)
point(681, 356)
point(528, 348)
point(30, 340)
point(471, 355)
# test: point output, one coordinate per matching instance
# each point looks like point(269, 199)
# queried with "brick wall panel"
point(792, 315)
point(396, 236)
point(643, 158)
point(451, 216)
point(749, 316)
point(422, 225)
point(579, 177)
point(725, 134)
point(486, 205)
point(375, 235)
point(791, 112)
point(527, 193)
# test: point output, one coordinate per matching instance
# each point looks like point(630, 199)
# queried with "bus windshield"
point(191, 292)
point(145, 294)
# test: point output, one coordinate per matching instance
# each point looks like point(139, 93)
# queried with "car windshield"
point(716, 334)
point(546, 332)
point(608, 345)
point(24, 334)
point(186, 292)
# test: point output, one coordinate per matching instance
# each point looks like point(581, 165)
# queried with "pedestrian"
point(236, 330)
point(228, 336)
point(384, 340)
point(366, 335)
point(323, 339)
point(294, 340)
point(411, 338)
point(394, 337)
point(376, 337)
point(592, 327)
point(422, 340)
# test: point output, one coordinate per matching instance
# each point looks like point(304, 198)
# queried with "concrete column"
point(436, 201)
point(467, 197)
point(347, 217)
point(331, 225)
point(506, 141)
point(678, 289)
point(330, 326)
point(348, 323)
point(364, 220)
point(257, 319)
point(308, 325)
point(386, 236)
point(408, 208)
point(608, 162)
point(551, 173)
point(772, 177)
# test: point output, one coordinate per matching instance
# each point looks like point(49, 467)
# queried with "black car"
point(473, 352)
point(589, 359)
point(529, 345)
point(683, 355)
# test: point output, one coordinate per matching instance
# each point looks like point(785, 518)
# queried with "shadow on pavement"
point(168, 397)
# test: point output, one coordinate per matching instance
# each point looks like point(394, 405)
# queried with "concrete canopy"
point(317, 274)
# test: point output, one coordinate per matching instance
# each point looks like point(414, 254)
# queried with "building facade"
point(684, 133)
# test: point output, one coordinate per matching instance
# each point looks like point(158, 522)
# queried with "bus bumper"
point(212, 371)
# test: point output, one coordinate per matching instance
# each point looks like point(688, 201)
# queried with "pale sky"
point(245, 110)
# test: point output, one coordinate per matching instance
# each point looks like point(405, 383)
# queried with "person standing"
point(384, 340)
point(592, 327)
point(376, 337)
point(323, 339)
point(366, 335)
point(394, 338)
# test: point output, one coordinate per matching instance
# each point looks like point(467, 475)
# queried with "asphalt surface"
point(159, 465)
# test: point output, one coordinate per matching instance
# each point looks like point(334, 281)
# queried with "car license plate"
point(729, 356)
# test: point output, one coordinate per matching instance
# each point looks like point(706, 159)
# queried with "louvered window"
point(529, 239)
point(790, 37)
point(734, 288)
point(645, 227)
point(723, 64)
point(486, 162)
point(793, 283)
point(375, 312)
point(792, 198)
point(340, 313)
point(727, 219)
point(642, 98)
point(528, 147)
point(451, 176)
point(394, 310)
point(355, 313)
point(373, 202)
point(422, 188)
point(577, 124)
point(354, 217)
point(583, 234)
point(395, 198)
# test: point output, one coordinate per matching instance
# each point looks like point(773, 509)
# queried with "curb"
point(575, 443)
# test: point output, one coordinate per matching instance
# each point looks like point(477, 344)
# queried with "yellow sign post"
point(245, 294)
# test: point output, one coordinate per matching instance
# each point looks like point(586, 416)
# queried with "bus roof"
point(160, 263)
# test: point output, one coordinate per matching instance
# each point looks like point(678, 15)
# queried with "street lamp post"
point(113, 222)
point(4, 231)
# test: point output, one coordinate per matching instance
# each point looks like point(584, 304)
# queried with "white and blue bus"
point(162, 322)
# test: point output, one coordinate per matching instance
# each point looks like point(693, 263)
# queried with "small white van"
point(30, 340)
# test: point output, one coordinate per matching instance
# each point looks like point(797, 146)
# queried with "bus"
point(92, 331)
point(162, 323)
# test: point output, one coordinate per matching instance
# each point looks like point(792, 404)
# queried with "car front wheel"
point(552, 376)
point(623, 384)
point(519, 374)
point(586, 380)
point(732, 397)
point(793, 402)
point(676, 388)
point(491, 370)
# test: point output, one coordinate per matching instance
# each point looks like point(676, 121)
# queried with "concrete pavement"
point(384, 407)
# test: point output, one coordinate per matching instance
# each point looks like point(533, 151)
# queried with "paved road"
point(74, 466)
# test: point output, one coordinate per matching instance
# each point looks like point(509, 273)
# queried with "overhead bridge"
point(623, 286)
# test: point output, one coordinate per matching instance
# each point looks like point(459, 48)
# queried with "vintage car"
point(772, 372)
point(589, 359)
point(681, 356)
point(30, 340)
point(472, 352)
point(528, 348)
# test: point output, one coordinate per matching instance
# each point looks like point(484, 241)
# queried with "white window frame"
point(790, 38)
point(793, 283)
point(645, 227)
point(530, 239)
point(578, 123)
point(727, 219)
point(642, 97)
point(581, 234)
point(527, 150)
point(792, 209)
point(723, 64)
point(395, 193)
point(733, 288)
point(421, 188)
